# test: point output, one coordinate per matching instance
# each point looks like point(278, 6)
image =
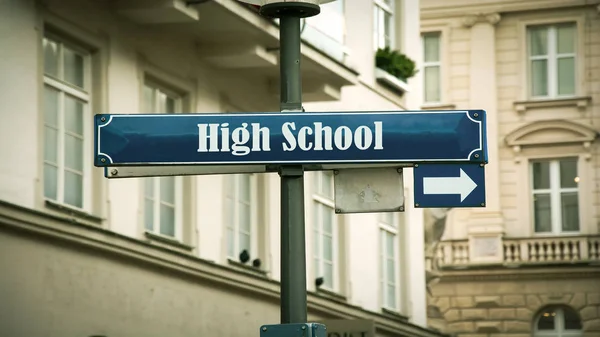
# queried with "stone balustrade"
point(538, 250)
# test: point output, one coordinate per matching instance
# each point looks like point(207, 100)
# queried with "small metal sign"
point(367, 190)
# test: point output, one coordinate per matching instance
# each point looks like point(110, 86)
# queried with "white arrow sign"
point(462, 185)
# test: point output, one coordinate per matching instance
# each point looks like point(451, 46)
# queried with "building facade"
point(528, 264)
point(83, 255)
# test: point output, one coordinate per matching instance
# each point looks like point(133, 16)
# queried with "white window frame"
point(385, 229)
point(179, 199)
point(552, 60)
point(380, 5)
point(178, 206)
point(559, 329)
point(85, 95)
point(321, 202)
point(437, 64)
point(555, 191)
point(234, 179)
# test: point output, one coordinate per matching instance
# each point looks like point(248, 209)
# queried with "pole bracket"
point(291, 171)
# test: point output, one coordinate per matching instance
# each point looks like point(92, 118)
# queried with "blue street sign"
point(449, 185)
point(290, 138)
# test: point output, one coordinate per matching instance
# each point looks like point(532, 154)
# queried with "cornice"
point(67, 231)
point(454, 9)
point(509, 273)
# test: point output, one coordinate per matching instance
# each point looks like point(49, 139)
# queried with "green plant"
point(395, 63)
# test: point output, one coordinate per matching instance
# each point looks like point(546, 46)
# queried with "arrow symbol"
point(462, 185)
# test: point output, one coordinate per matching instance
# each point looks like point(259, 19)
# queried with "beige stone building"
point(528, 264)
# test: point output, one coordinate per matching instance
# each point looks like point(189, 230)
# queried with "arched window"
point(557, 322)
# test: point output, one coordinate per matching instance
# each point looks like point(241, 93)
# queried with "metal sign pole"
point(293, 247)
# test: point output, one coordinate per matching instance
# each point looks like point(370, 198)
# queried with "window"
point(383, 23)
point(163, 196)
point(555, 196)
point(557, 322)
point(552, 60)
point(432, 67)
point(388, 260)
point(240, 215)
point(325, 230)
point(67, 112)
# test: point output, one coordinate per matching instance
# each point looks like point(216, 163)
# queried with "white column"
point(485, 226)
point(483, 95)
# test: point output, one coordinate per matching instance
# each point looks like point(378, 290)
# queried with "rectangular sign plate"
point(368, 190)
point(290, 138)
point(449, 185)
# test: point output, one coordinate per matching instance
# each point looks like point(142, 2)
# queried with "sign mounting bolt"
point(103, 160)
point(483, 204)
point(264, 328)
point(114, 172)
point(103, 119)
point(337, 210)
point(336, 172)
point(416, 165)
point(416, 205)
point(476, 115)
point(476, 155)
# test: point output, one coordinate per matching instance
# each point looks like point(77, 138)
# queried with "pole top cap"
point(281, 8)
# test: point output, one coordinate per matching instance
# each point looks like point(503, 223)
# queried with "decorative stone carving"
point(550, 132)
point(435, 226)
point(473, 19)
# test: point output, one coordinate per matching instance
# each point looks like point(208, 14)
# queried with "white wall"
point(21, 152)
point(19, 110)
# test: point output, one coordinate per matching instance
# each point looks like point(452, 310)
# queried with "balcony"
point(517, 252)
point(233, 38)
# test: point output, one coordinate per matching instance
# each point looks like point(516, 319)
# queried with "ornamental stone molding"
point(550, 132)
point(473, 19)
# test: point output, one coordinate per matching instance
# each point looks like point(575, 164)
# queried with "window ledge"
point(438, 106)
point(390, 81)
point(580, 102)
point(394, 313)
point(74, 213)
point(330, 294)
point(246, 268)
point(168, 241)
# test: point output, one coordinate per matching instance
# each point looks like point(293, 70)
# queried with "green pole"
point(293, 246)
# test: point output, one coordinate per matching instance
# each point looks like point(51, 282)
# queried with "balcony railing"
point(531, 251)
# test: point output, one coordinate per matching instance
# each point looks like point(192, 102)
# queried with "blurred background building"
point(529, 263)
point(81, 255)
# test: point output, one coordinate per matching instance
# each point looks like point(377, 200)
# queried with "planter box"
point(390, 81)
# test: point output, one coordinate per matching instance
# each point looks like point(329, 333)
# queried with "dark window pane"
point(568, 173)
point(570, 211)
point(572, 321)
point(541, 175)
point(546, 321)
point(539, 77)
point(538, 41)
point(542, 213)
